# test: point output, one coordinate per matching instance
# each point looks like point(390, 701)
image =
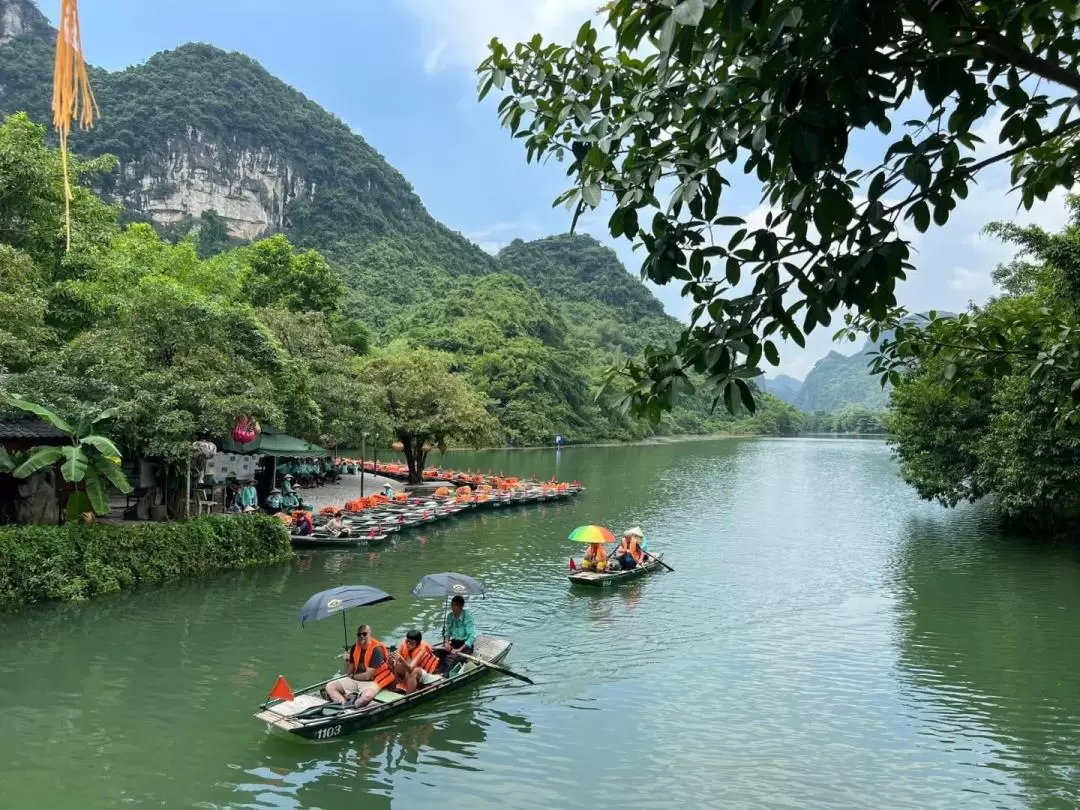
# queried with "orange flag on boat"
point(281, 690)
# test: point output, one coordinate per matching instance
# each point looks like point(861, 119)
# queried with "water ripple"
point(827, 641)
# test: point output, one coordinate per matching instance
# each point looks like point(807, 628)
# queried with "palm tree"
point(90, 463)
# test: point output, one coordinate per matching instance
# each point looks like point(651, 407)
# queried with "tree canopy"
point(983, 401)
point(693, 92)
point(174, 345)
point(414, 397)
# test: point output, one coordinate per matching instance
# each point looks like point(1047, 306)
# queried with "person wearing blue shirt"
point(459, 636)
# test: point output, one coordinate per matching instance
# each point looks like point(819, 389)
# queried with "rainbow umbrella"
point(592, 534)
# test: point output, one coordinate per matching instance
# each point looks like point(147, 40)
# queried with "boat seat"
point(390, 695)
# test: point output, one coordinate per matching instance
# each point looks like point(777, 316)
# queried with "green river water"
point(826, 641)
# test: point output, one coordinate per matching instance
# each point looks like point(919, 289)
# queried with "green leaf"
point(40, 458)
point(39, 410)
point(689, 12)
point(746, 395)
point(96, 493)
point(920, 213)
point(591, 195)
point(103, 446)
point(78, 502)
point(75, 463)
point(771, 353)
point(113, 474)
point(108, 413)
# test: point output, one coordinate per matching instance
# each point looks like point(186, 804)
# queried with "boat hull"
point(491, 648)
point(605, 580)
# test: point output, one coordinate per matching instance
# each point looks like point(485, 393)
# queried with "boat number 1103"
point(329, 731)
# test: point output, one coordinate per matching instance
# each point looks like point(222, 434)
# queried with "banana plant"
point(89, 463)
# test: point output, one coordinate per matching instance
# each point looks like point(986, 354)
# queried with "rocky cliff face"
point(198, 128)
point(19, 17)
point(249, 188)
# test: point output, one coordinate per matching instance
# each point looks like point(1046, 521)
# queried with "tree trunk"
point(415, 456)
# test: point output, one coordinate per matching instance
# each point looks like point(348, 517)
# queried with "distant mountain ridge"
point(781, 386)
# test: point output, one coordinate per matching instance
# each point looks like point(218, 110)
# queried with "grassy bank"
point(78, 561)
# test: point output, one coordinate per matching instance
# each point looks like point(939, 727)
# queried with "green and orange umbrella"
point(592, 534)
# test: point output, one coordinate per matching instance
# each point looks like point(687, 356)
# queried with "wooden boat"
point(311, 716)
point(614, 577)
point(326, 540)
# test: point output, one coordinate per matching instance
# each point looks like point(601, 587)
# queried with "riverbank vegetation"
point(177, 344)
point(76, 561)
point(985, 404)
point(850, 420)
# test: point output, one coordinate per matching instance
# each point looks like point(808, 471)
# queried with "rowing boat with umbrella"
point(599, 534)
point(308, 713)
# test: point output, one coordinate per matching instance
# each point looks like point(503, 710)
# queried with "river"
point(826, 641)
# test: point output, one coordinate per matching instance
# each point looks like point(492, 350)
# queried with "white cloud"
point(456, 32)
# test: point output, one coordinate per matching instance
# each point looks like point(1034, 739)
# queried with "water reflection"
point(382, 765)
point(988, 629)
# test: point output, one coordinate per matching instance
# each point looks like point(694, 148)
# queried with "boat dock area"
point(372, 517)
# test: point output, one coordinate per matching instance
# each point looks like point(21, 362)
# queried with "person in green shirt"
point(459, 635)
point(249, 497)
point(273, 501)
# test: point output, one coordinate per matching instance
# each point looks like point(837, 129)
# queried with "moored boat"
point(325, 540)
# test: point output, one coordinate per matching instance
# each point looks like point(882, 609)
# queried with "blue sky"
point(401, 74)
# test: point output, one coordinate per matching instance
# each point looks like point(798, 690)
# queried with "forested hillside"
point(215, 152)
point(837, 381)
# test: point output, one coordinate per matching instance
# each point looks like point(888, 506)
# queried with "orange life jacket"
point(423, 656)
point(596, 553)
point(384, 676)
point(631, 549)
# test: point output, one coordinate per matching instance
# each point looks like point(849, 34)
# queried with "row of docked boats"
point(373, 519)
point(470, 478)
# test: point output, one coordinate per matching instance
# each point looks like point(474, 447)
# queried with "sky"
point(401, 73)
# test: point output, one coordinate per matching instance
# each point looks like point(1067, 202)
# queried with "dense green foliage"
point(77, 561)
point(413, 396)
point(984, 401)
point(778, 91)
point(839, 380)
point(535, 349)
point(851, 419)
point(179, 346)
point(154, 110)
point(90, 464)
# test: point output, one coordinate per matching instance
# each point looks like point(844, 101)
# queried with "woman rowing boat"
point(631, 551)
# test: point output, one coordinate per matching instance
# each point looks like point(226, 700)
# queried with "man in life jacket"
point(413, 663)
point(367, 670)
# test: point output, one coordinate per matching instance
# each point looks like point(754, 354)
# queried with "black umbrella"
point(338, 600)
point(448, 583)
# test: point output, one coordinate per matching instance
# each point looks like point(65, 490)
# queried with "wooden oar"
point(668, 567)
point(490, 665)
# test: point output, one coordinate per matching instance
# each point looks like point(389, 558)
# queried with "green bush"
point(76, 561)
